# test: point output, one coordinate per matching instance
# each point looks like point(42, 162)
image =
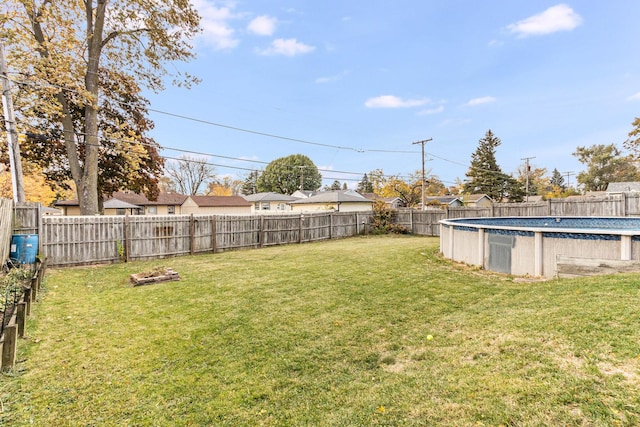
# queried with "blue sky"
point(352, 84)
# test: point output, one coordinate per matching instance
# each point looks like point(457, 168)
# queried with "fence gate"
point(500, 252)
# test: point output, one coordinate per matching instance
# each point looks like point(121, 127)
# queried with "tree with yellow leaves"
point(67, 52)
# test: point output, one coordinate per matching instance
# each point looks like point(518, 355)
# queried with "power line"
point(235, 128)
point(239, 129)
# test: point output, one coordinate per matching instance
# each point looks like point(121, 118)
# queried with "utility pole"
point(302, 177)
point(568, 175)
point(422, 143)
point(527, 170)
point(12, 134)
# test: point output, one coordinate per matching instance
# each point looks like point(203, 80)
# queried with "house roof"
point(534, 199)
point(335, 197)
point(476, 197)
point(269, 197)
point(375, 197)
point(219, 201)
point(135, 199)
point(119, 204)
point(445, 200)
point(141, 200)
point(303, 194)
point(623, 187)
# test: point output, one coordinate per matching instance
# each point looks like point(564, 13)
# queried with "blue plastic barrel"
point(24, 248)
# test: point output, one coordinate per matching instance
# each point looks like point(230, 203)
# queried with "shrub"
point(382, 220)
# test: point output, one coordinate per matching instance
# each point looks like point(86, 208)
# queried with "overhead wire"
point(265, 134)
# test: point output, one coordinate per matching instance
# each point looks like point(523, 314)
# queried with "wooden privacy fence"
point(78, 240)
point(105, 239)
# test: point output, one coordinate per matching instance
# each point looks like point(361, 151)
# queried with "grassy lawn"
point(355, 332)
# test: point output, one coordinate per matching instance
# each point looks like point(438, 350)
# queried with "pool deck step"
point(579, 267)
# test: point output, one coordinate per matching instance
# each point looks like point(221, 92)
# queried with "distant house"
point(227, 205)
point(478, 200)
point(391, 202)
point(124, 202)
point(165, 204)
point(46, 211)
point(269, 202)
point(119, 207)
point(623, 187)
point(442, 201)
point(337, 201)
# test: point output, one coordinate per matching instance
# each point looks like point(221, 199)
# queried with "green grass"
point(331, 333)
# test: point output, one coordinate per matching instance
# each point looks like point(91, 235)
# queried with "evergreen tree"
point(365, 186)
point(486, 177)
point(557, 180)
point(336, 185)
point(249, 185)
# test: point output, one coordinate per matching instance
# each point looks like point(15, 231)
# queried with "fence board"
point(6, 228)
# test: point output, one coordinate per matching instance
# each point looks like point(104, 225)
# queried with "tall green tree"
point(365, 186)
point(250, 183)
point(605, 164)
point(288, 174)
point(486, 177)
point(557, 180)
point(60, 49)
point(335, 186)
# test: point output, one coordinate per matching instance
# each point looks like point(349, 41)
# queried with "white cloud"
point(390, 101)
point(557, 18)
point(263, 25)
point(216, 30)
point(287, 47)
point(634, 97)
point(480, 101)
point(430, 111)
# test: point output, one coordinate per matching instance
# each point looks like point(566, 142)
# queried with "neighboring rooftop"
point(269, 197)
point(333, 197)
point(623, 187)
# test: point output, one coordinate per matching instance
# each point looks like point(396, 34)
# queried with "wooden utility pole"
point(526, 171)
point(422, 143)
point(12, 135)
point(568, 175)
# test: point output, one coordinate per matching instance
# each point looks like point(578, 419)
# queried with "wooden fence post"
point(192, 234)
point(330, 225)
point(9, 346)
point(261, 242)
point(300, 231)
point(214, 237)
point(27, 299)
point(21, 317)
point(411, 221)
point(126, 244)
point(34, 288)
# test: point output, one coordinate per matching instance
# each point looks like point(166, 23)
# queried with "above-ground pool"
point(543, 246)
